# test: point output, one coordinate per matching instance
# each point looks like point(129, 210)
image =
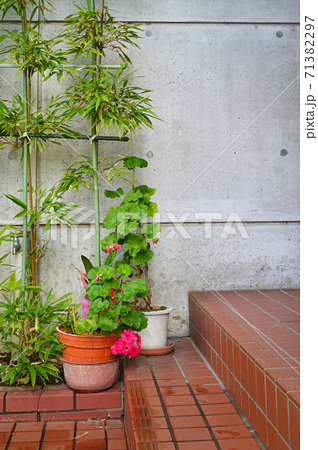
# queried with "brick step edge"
point(25, 404)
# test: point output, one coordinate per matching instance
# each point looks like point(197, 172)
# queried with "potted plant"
point(134, 229)
point(94, 344)
point(105, 98)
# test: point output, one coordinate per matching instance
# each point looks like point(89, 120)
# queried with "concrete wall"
point(224, 158)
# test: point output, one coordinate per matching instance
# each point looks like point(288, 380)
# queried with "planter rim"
point(90, 363)
point(161, 311)
point(102, 336)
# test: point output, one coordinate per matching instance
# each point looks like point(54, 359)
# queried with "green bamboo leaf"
point(17, 201)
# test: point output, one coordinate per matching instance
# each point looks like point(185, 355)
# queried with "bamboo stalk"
point(7, 65)
point(66, 136)
point(91, 7)
point(30, 192)
point(25, 169)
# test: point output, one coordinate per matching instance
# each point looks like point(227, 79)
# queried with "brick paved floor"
point(175, 402)
point(66, 435)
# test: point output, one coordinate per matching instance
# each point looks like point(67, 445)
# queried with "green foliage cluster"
point(131, 222)
point(90, 33)
point(106, 99)
point(28, 332)
point(111, 310)
point(109, 99)
point(20, 5)
point(30, 51)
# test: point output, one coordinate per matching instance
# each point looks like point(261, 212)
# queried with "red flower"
point(112, 295)
point(127, 344)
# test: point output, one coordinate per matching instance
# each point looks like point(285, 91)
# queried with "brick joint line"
point(198, 405)
point(163, 406)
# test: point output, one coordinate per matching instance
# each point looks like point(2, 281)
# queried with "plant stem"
point(25, 166)
point(91, 7)
point(30, 192)
point(101, 25)
point(114, 260)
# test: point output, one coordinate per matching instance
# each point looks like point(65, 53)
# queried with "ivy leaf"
point(142, 188)
point(128, 291)
point(96, 291)
point(79, 326)
point(91, 323)
point(125, 307)
point(110, 220)
point(135, 320)
point(153, 208)
point(131, 162)
point(114, 194)
point(112, 238)
point(106, 323)
point(98, 305)
point(142, 257)
point(105, 272)
point(135, 244)
point(151, 191)
point(124, 269)
point(133, 195)
point(140, 287)
point(126, 227)
point(151, 229)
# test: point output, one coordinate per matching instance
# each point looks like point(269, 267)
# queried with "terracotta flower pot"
point(88, 364)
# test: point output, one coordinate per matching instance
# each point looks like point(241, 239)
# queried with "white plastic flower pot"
point(155, 335)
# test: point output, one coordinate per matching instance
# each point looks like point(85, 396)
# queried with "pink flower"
point(127, 344)
point(111, 247)
point(98, 278)
point(112, 295)
point(136, 349)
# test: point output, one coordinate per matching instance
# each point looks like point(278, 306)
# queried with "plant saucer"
point(159, 351)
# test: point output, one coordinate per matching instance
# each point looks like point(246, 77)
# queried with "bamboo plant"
point(104, 94)
point(29, 53)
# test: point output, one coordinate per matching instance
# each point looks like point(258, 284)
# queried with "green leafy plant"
point(92, 32)
point(28, 332)
point(22, 126)
point(7, 233)
point(110, 293)
point(47, 122)
point(131, 232)
point(103, 97)
point(29, 51)
point(110, 99)
point(131, 221)
point(20, 5)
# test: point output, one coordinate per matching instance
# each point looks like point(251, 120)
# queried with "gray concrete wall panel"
point(193, 11)
point(225, 257)
point(224, 159)
point(229, 105)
